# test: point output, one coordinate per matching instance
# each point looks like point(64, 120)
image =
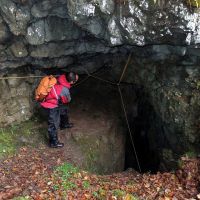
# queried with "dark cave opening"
point(141, 122)
point(144, 155)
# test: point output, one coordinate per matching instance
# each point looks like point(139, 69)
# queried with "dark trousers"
point(57, 117)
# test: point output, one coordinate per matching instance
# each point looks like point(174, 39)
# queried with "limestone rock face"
point(49, 8)
point(16, 17)
point(36, 33)
point(19, 49)
point(52, 29)
point(105, 23)
point(4, 32)
point(16, 100)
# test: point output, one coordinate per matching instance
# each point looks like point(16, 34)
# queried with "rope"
point(107, 81)
point(19, 77)
point(124, 109)
point(124, 70)
point(80, 82)
point(129, 129)
point(101, 79)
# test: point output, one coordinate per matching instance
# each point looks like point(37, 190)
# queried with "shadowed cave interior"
point(97, 97)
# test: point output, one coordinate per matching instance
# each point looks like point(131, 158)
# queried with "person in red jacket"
point(57, 114)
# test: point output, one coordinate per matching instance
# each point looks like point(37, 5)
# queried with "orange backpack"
point(44, 87)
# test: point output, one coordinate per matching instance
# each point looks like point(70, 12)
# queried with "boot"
point(54, 143)
point(68, 125)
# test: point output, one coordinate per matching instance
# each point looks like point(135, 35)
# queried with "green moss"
point(66, 170)
point(90, 148)
point(101, 194)
point(21, 198)
point(191, 154)
point(180, 163)
point(86, 184)
point(118, 193)
point(27, 133)
point(195, 3)
point(64, 173)
point(7, 145)
point(91, 158)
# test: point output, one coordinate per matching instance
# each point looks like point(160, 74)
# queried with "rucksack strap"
point(55, 92)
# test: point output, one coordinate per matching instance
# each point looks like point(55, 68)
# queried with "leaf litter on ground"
point(43, 174)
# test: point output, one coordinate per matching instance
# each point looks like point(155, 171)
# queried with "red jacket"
point(59, 93)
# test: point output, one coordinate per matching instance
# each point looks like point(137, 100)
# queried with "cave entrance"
point(141, 117)
point(94, 99)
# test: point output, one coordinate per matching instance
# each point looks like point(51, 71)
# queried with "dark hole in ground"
point(141, 124)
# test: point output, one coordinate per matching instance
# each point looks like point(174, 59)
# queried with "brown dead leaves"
point(30, 173)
